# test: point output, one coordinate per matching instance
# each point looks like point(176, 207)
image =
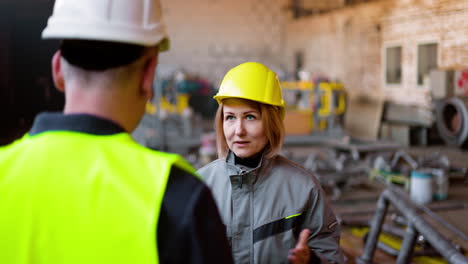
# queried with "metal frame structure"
point(416, 225)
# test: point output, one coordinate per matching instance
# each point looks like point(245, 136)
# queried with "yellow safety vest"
point(69, 197)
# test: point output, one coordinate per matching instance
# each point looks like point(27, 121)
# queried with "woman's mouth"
point(241, 143)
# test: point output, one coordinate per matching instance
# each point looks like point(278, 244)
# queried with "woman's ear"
point(57, 73)
point(148, 76)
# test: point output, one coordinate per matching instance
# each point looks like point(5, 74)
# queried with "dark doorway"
point(25, 79)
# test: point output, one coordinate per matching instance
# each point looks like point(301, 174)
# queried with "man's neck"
point(106, 103)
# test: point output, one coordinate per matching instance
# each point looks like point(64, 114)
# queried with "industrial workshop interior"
point(375, 97)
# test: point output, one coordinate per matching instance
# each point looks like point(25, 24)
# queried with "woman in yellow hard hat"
point(274, 210)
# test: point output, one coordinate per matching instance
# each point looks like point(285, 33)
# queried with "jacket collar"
point(230, 161)
point(83, 123)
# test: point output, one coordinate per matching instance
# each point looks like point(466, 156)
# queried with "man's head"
point(108, 55)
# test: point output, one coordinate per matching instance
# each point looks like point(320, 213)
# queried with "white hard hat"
point(125, 21)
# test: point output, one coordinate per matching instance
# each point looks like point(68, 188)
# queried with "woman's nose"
point(240, 129)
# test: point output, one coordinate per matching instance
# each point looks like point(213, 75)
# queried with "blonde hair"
point(272, 123)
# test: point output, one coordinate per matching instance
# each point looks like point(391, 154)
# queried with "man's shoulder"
point(12, 151)
point(184, 192)
point(181, 180)
point(186, 205)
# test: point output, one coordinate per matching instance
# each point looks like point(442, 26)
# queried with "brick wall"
point(212, 36)
point(343, 45)
point(348, 44)
point(410, 23)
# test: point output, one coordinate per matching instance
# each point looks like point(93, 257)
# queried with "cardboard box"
point(298, 122)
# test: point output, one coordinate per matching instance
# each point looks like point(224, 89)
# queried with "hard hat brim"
point(220, 98)
point(57, 29)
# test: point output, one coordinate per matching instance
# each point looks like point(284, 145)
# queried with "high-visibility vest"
point(69, 197)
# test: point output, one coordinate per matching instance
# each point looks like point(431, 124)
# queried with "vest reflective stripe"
point(98, 202)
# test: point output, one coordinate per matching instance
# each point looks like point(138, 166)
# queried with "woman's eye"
point(230, 117)
point(250, 117)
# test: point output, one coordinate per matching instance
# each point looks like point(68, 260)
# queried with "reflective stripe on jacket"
point(265, 208)
point(69, 197)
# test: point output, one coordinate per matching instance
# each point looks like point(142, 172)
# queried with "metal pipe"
point(376, 225)
point(407, 246)
point(401, 202)
point(445, 223)
point(434, 207)
point(436, 217)
point(393, 230)
point(396, 232)
point(394, 252)
point(387, 249)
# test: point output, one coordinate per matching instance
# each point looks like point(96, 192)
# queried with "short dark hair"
point(99, 55)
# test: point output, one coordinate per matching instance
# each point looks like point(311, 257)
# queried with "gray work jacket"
point(265, 208)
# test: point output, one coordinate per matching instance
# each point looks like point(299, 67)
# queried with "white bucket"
point(421, 187)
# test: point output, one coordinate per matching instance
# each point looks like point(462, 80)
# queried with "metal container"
point(440, 184)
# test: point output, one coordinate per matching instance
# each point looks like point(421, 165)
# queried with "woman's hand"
point(301, 253)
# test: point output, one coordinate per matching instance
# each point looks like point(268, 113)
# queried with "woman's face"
point(243, 128)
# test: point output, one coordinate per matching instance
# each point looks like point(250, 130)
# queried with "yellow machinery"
point(324, 103)
point(182, 102)
point(333, 104)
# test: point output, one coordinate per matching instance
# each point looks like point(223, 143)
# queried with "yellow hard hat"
point(252, 81)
